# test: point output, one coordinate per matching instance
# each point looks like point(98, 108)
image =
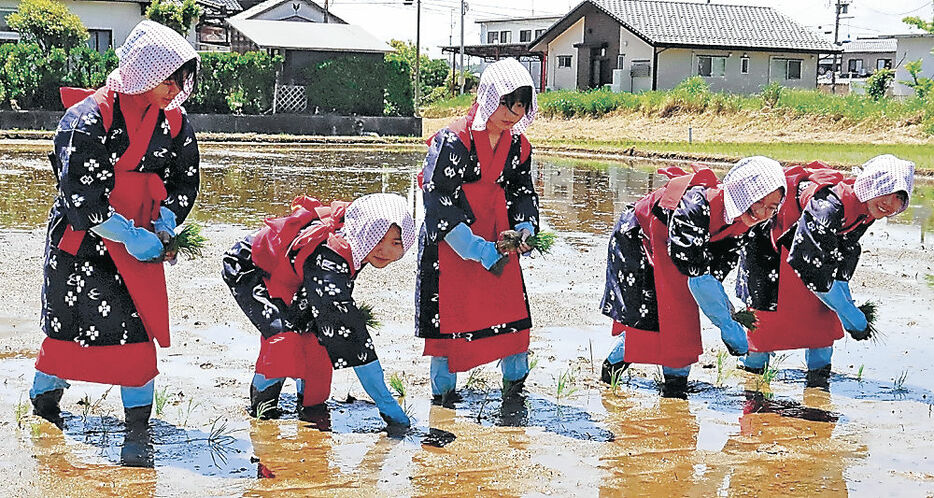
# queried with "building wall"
point(285, 10)
point(632, 48)
point(676, 65)
point(912, 49)
point(514, 27)
point(869, 61)
point(118, 17)
point(566, 77)
point(599, 28)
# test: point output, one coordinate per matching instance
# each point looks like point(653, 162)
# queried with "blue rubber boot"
point(373, 382)
point(443, 382)
point(515, 370)
point(676, 382)
point(46, 394)
point(614, 365)
point(818, 362)
point(755, 362)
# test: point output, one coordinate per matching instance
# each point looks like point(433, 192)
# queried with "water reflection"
point(241, 184)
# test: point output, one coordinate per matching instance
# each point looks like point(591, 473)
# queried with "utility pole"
point(451, 43)
point(462, 73)
point(325, 11)
point(418, 50)
point(836, 41)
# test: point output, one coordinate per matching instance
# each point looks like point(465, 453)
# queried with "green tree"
point(48, 23)
point(922, 85)
point(433, 71)
point(178, 16)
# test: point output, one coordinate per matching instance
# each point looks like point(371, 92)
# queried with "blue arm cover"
point(469, 246)
point(709, 294)
point(838, 299)
point(166, 221)
point(140, 243)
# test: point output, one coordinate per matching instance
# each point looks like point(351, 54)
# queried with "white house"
point(109, 22)
point(911, 48)
point(638, 45)
point(517, 32)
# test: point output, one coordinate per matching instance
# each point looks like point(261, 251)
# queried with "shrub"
point(398, 97)
point(878, 83)
point(232, 82)
point(348, 85)
point(771, 94)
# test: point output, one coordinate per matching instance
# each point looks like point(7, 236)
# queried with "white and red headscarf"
point(499, 79)
point(750, 180)
point(883, 175)
point(150, 55)
point(367, 220)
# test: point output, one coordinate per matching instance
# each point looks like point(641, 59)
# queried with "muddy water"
point(870, 435)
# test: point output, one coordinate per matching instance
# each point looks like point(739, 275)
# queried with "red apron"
point(677, 343)
point(290, 354)
point(138, 197)
point(801, 320)
point(470, 297)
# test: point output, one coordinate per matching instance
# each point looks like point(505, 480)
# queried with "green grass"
point(20, 412)
point(161, 399)
point(566, 385)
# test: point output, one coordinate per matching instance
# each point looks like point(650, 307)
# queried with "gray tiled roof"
point(871, 45)
point(233, 6)
point(712, 25)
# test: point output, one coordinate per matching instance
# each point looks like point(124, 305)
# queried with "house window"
point(3, 25)
point(525, 35)
point(539, 32)
point(100, 39)
point(564, 61)
point(744, 65)
point(883, 63)
point(855, 66)
point(505, 36)
point(620, 61)
point(785, 69)
point(492, 37)
point(711, 66)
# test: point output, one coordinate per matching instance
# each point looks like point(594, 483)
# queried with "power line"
point(899, 14)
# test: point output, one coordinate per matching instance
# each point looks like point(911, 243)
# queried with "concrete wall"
point(676, 65)
point(119, 17)
point(564, 78)
point(912, 49)
point(293, 124)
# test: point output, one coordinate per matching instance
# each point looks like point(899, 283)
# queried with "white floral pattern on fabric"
point(750, 180)
point(498, 79)
point(367, 220)
point(883, 175)
point(150, 54)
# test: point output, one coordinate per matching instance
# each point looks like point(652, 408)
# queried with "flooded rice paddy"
point(736, 434)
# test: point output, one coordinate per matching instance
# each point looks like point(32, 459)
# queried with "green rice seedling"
point(533, 363)
point(722, 372)
point(930, 279)
point(369, 317)
point(510, 240)
point(397, 384)
point(161, 399)
point(20, 411)
point(220, 441)
point(189, 407)
point(265, 408)
point(35, 430)
point(871, 310)
point(565, 386)
point(616, 380)
point(746, 318)
point(771, 369)
point(189, 242)
point(859, 374)
point(899, 383)
point(476, 381)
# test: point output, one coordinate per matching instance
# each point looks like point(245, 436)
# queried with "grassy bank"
point(839, 155)
point(693, 97)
